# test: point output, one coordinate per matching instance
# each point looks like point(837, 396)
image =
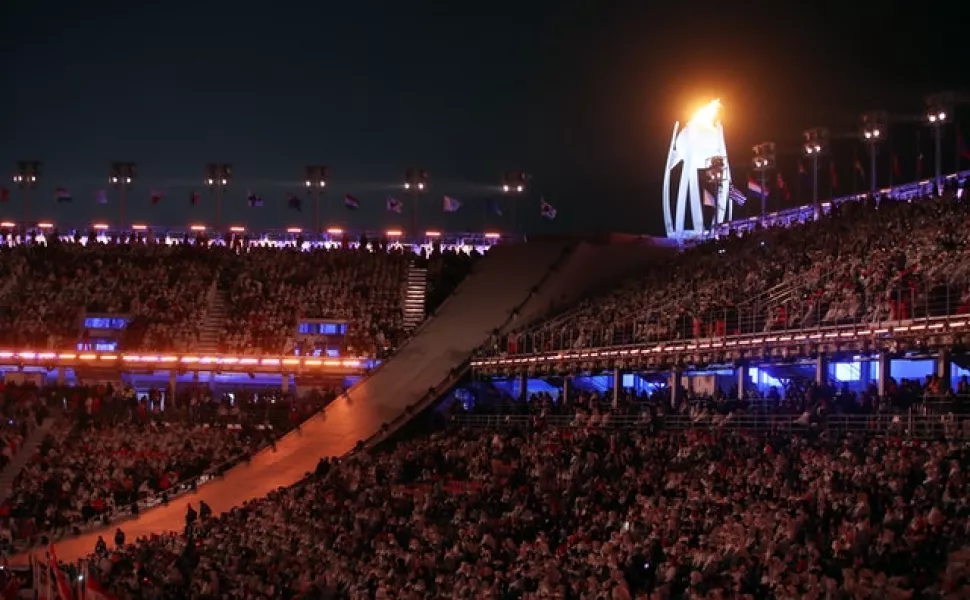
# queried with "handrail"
point(880, 424)
point(905, 312)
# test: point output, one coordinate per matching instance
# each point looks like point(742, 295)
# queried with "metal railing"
point(824, 304)
point(911, 424)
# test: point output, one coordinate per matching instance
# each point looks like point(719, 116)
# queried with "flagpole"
point(121, 208)
point(316, 210)
point(218, 193)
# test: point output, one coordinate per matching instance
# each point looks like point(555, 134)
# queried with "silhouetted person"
point(119, 537)
point(205, 511)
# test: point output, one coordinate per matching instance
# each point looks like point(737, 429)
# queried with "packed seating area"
point(270, 290)
point(109, 450)
point(165, 292)
point(864, 262)
point(162, 289)
point(584, 512)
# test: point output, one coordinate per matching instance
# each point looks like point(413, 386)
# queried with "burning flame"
point(707, 114)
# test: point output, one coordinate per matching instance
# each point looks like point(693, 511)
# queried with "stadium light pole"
point(217, 177)
point(762, 162)
point(716, 172)
point(415, 184)
point(515, 184)
point(316, 181)
point(874, 125)
point(26, 178)
point(816, 140)
point(938, 111)
point(121, 178)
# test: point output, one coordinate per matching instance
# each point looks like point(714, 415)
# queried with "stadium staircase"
point(31, 444)
point(414, 297)
point(215, 319)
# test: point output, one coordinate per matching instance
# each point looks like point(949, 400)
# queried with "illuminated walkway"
point(332, 433)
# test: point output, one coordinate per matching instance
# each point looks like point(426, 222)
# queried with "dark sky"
point(582, 95)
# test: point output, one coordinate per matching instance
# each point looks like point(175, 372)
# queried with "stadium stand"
point(808, 492)
point(863, 263)
point(584, 512)
point(109, 452)
point(164, 292)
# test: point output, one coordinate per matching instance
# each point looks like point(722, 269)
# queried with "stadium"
point(444, 384)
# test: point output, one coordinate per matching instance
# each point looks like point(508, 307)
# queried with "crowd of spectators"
point(109, 449)
point(271, 290)
point(864, 261)
point(164, 293)
point(585, 512)
point(160, 289)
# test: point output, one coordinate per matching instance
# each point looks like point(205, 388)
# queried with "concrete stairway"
point(414, 297)
point(215, 320)
point(29, 448)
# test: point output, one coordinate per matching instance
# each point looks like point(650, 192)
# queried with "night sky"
point(582, 95)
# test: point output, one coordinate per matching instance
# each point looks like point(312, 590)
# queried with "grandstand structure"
point(510, 317)
point(755, 340)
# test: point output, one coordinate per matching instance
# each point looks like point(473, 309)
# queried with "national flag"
point(919, 156)
point(254, 200)
point(782, 187)
point(897, 171)
point(4, 195)
point(833, 176)
point(351, 202)
point(737, 196)
point(93, 590)
point(60, 578)
point(755, 187)
point(394, 205)
point(451, 204)
point(709, 199)
point(43, 589)
point(62, 195)
point(547, 210)
point(494, 207)
point(962, 146)
point(293, 201)
point(194, 198)
point(11, 588)
point(102, 197)
point(858, 168)
point(156, 196)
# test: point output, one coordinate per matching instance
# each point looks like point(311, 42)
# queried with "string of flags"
point(394, 205)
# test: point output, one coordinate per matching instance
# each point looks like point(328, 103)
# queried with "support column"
point(285, 383)
point(821, 369)
point(742, 380)
point(523, 387)
point(865, 373)
point(674, 386)
point(170, 392)
point(885, 373)
point(617, 383)
point(565, 390)
point(61, 375)
point(943, 370)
